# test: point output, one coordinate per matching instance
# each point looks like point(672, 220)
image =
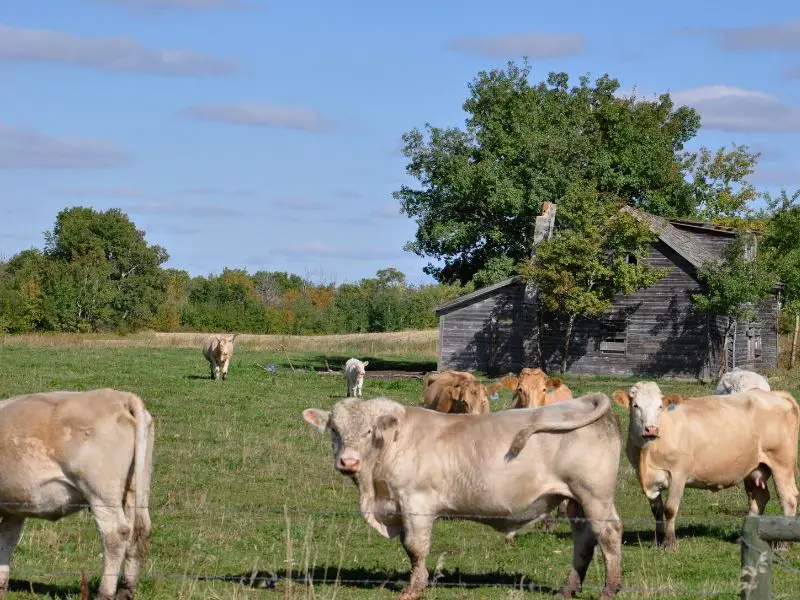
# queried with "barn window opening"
point(631, 259)
point(753, 343)
point(615, 339)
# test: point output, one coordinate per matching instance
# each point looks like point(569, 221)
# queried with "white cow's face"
point(225, 348)
point(357, 432)
point(646, 403)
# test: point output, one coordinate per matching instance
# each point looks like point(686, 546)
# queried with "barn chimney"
point(544, 224)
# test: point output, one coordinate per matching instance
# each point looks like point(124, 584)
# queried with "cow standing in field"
point(64, 450)
point(453, 376)
point(354, 371)
point(503, 469)
point(457, 392)
point(218, 351)
point(535, 388)
point(711, 443)
point(739, 380)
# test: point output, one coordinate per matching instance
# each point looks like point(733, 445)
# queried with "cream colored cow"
point(218, 351)
point(413, 466)
point(62, 451)
point(739, 380)
point(711, 443)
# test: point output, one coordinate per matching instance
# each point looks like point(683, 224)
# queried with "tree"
point(598, 252)
point(483, 186)
point(781, 249)
point(733, 285)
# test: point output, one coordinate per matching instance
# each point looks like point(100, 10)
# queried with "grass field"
point(244, 491)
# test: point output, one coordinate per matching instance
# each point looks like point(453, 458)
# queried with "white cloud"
point(214, 191)
point(534, 45)
point(187, 4)
point(319, 249)
point(300, 203)
point(120, 53)
point(183, 210)
point(27, 148)
point(262, 115)
point(113, 192)
point(387, 211)
point(736, 109)
point(783, 36)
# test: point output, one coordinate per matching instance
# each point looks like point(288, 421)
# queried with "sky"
point(261, 134)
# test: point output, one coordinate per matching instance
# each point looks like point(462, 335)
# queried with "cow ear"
point(316, 417)
point(671, 400)
point(554, 382)
point(366, 363)
point(383, 425)
point(623, 399)
point(234, 336)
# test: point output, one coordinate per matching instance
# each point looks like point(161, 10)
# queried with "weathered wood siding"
point(652, 332)
point(750, 354)
point(714, 241)
point(488, 334)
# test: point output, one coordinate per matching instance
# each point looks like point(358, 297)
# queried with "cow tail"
point(601, 404)
point(142, 466)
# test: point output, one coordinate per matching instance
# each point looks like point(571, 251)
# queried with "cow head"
point(646, 404)
point(225, 347)
point(531, 389)
point(475, 396)
point(358, 429)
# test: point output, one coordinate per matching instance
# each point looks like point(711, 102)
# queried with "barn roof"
point(684, 244)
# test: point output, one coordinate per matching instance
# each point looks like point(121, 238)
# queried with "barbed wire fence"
point(312, 575)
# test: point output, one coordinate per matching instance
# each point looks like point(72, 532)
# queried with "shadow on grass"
point(198, 377)
point(337, 362)
point(646, 536)
point(369, 579)
point(46, 589)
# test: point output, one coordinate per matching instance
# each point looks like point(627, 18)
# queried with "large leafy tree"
point(481, 187)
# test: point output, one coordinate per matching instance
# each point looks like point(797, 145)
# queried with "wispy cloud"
point(792, 72)
point(121, 53)
point(27, 148)
point(534, 45)
point(345, 194)
point(215, 191)
point(183, 210)
point(300, 203)
point(262, 115)
point(787, 177)
point(112, 192)
point(318, 249)
point(386, 211)
point(783, 36)
point(185, 4)
point(736, 109)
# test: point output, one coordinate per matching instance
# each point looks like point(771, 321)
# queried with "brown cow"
point(711, 443)
point(458, 395)
point(413, 466)
point(63, 451)
point(535, 388)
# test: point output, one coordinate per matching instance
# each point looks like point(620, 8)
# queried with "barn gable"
point(652, 332)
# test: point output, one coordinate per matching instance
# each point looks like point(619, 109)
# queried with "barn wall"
point(750, 354)
point(488, 334)
point(714, 241)
point(653, 332)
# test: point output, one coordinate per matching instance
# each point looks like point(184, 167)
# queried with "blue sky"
point(265, 134)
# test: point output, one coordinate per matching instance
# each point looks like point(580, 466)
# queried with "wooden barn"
point(654, 332)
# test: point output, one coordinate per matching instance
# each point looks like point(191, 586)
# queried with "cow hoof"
point(567, 592)
point(124, 594)
point(409, 594)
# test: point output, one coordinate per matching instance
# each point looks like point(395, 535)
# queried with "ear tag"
point(672, 407)
point(494, 396)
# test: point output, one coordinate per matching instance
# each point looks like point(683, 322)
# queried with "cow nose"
point(651, 431)
point(349, 465)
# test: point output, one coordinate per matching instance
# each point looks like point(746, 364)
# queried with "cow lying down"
point(505, 469)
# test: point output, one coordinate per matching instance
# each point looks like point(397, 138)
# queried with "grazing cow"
point(354, 371)
point(739, 380)
point(535, 388)
point(711, 443)
point(63, 451)
point(413, 466)
point(218, 351)
point(455, 376)
point(455, 395)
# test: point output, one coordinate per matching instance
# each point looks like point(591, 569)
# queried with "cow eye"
point(368, 433)
point(635, 405)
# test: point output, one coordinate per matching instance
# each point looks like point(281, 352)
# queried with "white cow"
point(218, 351)
point(504, 469)
point(739, 380)
point(62, 451)
point(354, 371)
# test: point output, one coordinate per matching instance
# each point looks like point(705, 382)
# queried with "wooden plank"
point(776, 529)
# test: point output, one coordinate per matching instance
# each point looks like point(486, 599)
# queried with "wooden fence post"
point(756, 573)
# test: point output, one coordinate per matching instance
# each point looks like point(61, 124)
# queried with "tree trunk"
point(567, 337)
point(793, 355)
point(723, 366)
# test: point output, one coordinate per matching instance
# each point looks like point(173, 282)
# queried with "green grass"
point(242, 485)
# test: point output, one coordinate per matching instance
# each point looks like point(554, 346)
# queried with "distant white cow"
point(62, 451)
point(218, 351)
point(354, 371)
point(739, 380)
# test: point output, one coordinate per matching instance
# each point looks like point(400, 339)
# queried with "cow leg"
point(583, 543)
point(10, 532)
point(786, 487)
point(657, 508)
point(674, 496)
point(416, 538)
point(757, 496)
point(225, 369)
point(115, 533)
point(548, 523)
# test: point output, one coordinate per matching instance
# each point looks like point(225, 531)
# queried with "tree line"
point(97, 272)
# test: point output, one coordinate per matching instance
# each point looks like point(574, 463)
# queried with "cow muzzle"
point(348, 466)
point(650, 432)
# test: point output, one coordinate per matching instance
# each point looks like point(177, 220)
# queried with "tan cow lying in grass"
point(64, 450)
point(218, 351)
point(535, 388)
point(413, 466)
point(711, 443)
point(457, 392)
